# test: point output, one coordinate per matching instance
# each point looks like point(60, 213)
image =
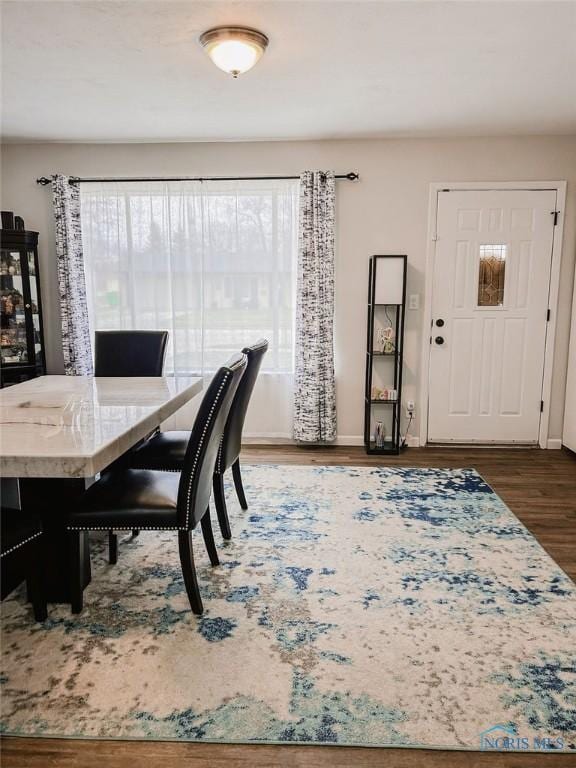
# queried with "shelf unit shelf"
point(387, 280)
point(387, 448)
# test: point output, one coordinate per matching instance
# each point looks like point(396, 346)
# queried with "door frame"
point(526, 186)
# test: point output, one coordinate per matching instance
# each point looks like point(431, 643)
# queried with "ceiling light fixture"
point(234, 49)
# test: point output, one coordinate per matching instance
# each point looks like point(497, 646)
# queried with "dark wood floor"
point(539, 486)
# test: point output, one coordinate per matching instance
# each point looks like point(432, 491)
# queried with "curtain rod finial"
point(352, 176)
point(43, 181)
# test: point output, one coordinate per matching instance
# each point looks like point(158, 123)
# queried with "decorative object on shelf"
point(389, 347)
point(379, 434)
point(384, 340)
point(21, 332)
point(388, 394)
point(379, 340)
point(384, 355)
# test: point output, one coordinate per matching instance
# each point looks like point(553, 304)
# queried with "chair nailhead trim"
point(189, 491)
point(200, 443)
point(17, 546)
point(220, 456)
point(156, 468)
point(130, 528)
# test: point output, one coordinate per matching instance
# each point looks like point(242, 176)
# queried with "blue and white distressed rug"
point(357, 606)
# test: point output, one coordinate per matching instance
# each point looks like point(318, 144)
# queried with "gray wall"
point(386, 212)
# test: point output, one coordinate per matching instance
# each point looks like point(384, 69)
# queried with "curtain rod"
point(44, 180)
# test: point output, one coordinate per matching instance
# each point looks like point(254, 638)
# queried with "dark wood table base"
point(51, 499)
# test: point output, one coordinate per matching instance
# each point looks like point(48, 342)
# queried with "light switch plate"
point(414, 301)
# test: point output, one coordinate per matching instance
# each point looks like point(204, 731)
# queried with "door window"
point(491, 275)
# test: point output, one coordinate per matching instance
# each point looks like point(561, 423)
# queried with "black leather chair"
point(166, 450)
point(129, 353)
point(22, 554)
point(125, 499)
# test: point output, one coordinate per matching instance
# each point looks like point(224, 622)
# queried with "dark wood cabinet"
point(21, 331)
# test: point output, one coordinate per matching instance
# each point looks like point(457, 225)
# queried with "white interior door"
point(489, 315)
point(569, 436)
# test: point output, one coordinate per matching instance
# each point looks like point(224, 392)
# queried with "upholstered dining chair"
point(21, 538)
point(125, 499)
point(166, 450)
point(128, 353)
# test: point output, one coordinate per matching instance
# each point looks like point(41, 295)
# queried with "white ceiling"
point(134, 71)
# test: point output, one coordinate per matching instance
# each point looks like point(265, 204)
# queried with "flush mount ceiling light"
point(234, 49)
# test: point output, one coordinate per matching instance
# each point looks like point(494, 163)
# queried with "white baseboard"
point(349, 440)
point(267, 438)
point(281, 438)
point(554, 444)
point(411, 441)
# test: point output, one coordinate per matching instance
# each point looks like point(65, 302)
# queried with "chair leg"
point(135, 532)
point(220, 501)
point(112, 548)
point(238, 484)
point(76, 592)
point(189, 572)
point(35, 584)
point(206, 523)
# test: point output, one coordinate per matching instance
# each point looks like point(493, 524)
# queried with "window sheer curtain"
point(213, 263)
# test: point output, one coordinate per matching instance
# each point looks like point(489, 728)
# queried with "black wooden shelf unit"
point(21, 331)
point(384, 354)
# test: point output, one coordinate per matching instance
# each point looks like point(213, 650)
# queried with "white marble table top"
point(74, 426)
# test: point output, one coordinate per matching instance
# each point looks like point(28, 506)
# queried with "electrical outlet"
point(410, 408)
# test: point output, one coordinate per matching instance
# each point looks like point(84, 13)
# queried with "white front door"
point(489, 315)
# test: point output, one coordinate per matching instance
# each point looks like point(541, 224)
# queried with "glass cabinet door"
point(13, 327)
point(34, 309)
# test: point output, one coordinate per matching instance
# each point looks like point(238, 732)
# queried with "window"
point(214, 263)
point(491, 275)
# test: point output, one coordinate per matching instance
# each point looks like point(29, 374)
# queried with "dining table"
point(58, 433)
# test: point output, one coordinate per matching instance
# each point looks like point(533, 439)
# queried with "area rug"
point(354, 606)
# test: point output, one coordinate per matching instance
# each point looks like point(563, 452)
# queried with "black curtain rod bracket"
point(44, 180)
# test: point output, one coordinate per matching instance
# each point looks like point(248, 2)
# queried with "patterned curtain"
point(71, 282)
point(314, 385)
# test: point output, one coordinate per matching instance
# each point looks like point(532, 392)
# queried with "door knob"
point(439, 322)
point(439, 340)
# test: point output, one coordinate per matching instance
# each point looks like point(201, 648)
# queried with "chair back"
point(200, 459)
point(129, 353)
point(232, 439)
